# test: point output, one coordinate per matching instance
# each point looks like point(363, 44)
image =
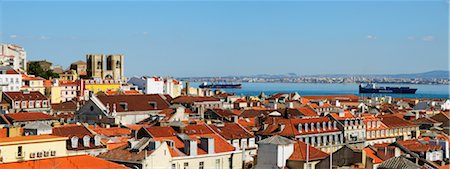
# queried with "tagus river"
point(423, 91)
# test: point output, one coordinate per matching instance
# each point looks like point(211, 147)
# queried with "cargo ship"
point(220, 85)
point(371, 88)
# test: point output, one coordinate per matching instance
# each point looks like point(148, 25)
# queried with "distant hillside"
point(438, 74)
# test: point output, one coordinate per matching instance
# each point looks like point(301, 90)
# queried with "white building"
point(157, 85)
point(148, 85)
point(14, 56)
point(10, 79)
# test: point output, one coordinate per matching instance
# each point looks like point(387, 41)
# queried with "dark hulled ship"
point(220, 85)
point(371, 88)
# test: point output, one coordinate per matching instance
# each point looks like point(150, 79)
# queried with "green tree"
point(36, 69)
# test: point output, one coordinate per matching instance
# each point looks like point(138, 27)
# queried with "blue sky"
point(207, 38)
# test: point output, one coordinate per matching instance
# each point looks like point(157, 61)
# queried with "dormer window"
point(300, 128)
point(86, 141)
point(74, 142)
point(124, 106)
point(306, 127)
point(153, 104)
point(97, 140)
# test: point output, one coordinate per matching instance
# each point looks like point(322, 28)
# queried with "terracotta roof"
point(28, 116)
point(291, 127)
point(124, 154)
point(3, 132)
point(300, 152)
point(231, 131)
point(425, 120)
point(302, 111)
point(65, 106)
point(393, 121)
point(134, 102)
point(110, 132)
point(254, 113)
point(79, 162)
point(223, 112)
point(72, 130)
point(48, 83)
point(247, 122)
point(27, 77)
point(373, 155)
point(193, 99)
point(29, 138)
point(346, 115)
point(415, 146)
point(32, 95)
point(333, 97)
point(160, 131)
point(197, 129)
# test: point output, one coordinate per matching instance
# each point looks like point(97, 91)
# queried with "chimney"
point(190, 147)
point(290, 105)
point(235, 119)
point(281, 126)
point(207, 144)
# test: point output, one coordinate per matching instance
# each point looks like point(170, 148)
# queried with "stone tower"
point(95, 68)
point(114, 67)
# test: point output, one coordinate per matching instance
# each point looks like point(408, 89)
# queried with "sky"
point(228, 38)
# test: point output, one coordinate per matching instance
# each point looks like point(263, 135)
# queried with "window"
point(39, 154)
point(32, 155)
point(19, 151)
point(217, 163)
point(186, 165)
point(174, 166)
point(46, 153)
point(24, 104)
point(201, 165)
point(52, 153)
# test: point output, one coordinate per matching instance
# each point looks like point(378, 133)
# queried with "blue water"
point(423, 91)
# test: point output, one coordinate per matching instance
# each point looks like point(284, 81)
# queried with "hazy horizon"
point(200, 39)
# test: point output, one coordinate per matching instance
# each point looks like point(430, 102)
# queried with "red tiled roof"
point(28, 116)
point(197, 129)
point(79, 162)
point(393, 121)
point(161, 131)
point(32, 95)
point(65, 106)
point(333, 97)
point(302, 111)
point(27, 77)
point(346, 115)
point(247, 122)
point(48, 83)
point(415, 146)
point(67, 83)
point(223, 112)
point(72, 130)
point(373, 155)
point(134, 102)
point(300, 152)
point(193, 99)
point(113, 131)
point(231, 131)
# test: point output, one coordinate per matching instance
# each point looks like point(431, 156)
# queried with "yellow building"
point(55, 96)
point(70, 75)
point(96, 86)
point(24, 148)
point(32, 83)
